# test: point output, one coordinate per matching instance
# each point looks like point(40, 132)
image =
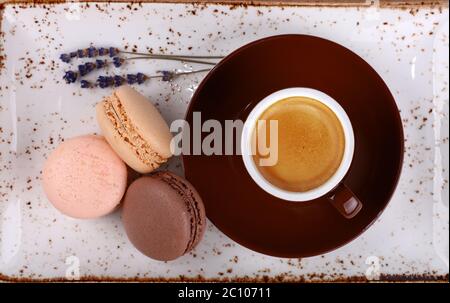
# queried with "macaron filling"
point(191, 206)
point(126, 130)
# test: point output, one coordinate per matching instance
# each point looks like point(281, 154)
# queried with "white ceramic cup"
point(249, 127)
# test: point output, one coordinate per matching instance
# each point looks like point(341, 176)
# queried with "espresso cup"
point(336, 192)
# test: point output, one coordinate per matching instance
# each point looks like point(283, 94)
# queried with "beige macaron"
point(135, 129)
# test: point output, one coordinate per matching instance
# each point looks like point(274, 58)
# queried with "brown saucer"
point(254, 218)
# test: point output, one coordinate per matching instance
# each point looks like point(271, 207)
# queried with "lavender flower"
point(86, 68)
point(118, 81)
point(117, 61)
point(131, 79)
point(105, 81)
point(65, 58)
point(167, 75)
point(70, 76)
point(85, 84)
point(82, 70)
point(92, 52)
point(103, 51)
point(100, 63)
point(81, 53)
point(140, 77)
point(113, 51)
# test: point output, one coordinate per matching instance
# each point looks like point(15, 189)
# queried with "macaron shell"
point(191, 196)
point(155, 219)
point(146, 118)
point(84, 178)
point(116, 141)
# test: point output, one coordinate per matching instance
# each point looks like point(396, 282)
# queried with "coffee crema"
point(311, 144)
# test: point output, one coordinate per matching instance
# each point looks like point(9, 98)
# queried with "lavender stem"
point(193, 71)
point(172, 56)
point(161, 57)
point(183, 73)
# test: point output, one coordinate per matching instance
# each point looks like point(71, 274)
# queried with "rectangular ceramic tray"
point(407, 46)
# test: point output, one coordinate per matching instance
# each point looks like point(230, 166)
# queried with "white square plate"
point(408, 48)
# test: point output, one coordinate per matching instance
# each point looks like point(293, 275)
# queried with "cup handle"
point(345, 201)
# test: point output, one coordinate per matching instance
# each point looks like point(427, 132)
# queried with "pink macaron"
point(84, 178)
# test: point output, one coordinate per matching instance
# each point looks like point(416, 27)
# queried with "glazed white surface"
point(409, 49)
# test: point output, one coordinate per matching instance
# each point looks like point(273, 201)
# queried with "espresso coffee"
point(311, 144)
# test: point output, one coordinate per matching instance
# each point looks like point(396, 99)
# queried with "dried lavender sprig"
point(92, 52)
point(86, 68)
point(139, 78)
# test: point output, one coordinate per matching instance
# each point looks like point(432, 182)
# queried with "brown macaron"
point(163, 216)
